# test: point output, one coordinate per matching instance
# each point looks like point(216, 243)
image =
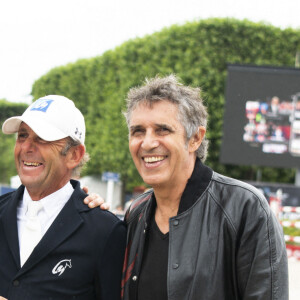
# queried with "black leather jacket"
point(224, 245)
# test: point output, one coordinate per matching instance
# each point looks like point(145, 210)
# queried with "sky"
point(38, 35)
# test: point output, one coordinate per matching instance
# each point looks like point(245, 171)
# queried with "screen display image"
point(262, 116)
point(287, 195)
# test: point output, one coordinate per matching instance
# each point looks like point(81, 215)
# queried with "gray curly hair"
point(192, 112)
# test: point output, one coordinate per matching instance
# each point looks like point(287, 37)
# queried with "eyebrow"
point(22, 130)
point(134, 127)
point(164, 125)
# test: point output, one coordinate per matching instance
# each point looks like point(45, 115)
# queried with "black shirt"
point(153, 277)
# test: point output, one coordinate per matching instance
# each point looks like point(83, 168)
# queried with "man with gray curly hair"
point(196, 234)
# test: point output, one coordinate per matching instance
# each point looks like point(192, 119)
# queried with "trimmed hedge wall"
point(7, 164)
point(198, 52)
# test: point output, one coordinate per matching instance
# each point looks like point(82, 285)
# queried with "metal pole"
point(297, 59)
point(258, 175)
point(297, 177)
point(110, 192)
point(297, 65)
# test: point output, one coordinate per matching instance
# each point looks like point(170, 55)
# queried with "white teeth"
point(31, 164)
point(153, 159)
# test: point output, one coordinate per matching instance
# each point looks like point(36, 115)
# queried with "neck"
point(36, 194)
point(168, 200)
point(168, 194)
point(167, 207)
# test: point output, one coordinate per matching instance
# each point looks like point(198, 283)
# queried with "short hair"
point(86, 157)
point(192, 111)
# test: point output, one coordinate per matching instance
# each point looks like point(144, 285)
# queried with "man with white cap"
point(52, 246)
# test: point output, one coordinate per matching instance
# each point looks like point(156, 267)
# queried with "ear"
point(74, 156)
point(196, 140)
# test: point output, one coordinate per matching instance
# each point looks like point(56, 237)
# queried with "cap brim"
point(11, 125)
point(40, 126)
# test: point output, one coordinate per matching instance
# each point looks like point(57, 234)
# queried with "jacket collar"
point(195, 186)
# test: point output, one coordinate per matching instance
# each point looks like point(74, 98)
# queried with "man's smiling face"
point(40, 165)
point(158, 144)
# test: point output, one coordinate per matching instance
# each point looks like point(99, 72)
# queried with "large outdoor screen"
point(262, 116)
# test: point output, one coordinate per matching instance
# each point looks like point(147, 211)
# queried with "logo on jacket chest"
point(61, 266)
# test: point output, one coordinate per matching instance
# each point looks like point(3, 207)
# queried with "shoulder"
point(4, 199)
point(102, 225)
point(105, 217)
point(101, 218)
point(236, 197)
point(224, 183)
point(243, 206)
point(96, 217)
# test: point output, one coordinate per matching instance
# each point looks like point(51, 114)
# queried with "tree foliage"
point(7, 165)
point(198, 52)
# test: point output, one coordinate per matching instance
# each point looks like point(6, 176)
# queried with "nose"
point(150, 141)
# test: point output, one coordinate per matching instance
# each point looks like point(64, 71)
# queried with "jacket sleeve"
point(262, 271)
point(110, 265)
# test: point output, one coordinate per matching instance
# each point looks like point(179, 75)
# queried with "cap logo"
point(78, 133)
point(41, 105)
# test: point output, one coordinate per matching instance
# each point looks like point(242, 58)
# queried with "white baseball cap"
point(52, 118)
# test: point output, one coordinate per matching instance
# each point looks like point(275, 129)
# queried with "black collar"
point(195, 186)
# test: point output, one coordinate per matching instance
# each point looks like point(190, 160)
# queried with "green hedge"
point(198, 52)
point(10, 109)
point(7, 165)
